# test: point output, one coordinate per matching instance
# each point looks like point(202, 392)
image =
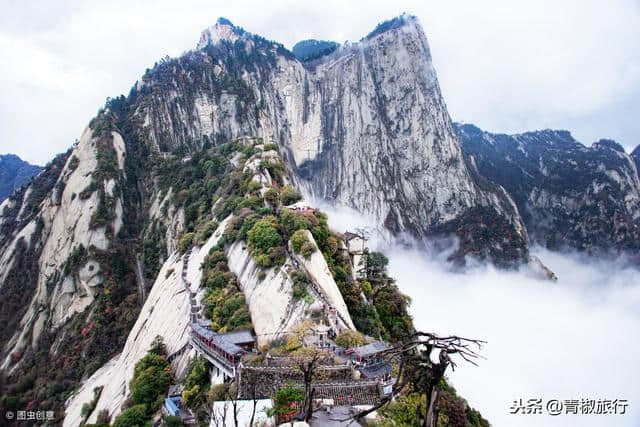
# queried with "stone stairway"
point(318, 293)
point(195, 309)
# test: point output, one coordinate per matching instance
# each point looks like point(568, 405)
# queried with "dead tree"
point(253, 385)
point(308, 365)
point(418, 371)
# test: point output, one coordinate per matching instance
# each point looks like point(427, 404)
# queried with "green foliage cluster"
point(224, 302)
point(348, 339)
point(276, 170)
point(307, 249)
point(151, 379)
point(196, 384)
point(265, 242)
point(185, 242)
point(196, 182)
point(298, 239)
point(205, 231)
point(451, 409)
point(135, 416)
point(300, 286)
point(301, 244)
point(154, 249)
point(73, 163)
point(284, 398)
point(289, 195)
point(87, 408)
point(272, 196)
point(292, 221)
point(77, 258)
point(402, 412)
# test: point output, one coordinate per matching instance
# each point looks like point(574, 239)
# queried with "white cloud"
point(507, 66)
point(573, 339)
point(577, 338)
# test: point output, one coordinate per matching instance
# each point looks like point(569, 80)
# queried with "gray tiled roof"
point(239, 337)
point(370, 349)
point(376, 371)
point(219, 339)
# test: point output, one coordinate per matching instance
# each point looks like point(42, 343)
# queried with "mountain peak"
point(390, 24)
point(609, 143)
point(223, 29)
point(14, 172)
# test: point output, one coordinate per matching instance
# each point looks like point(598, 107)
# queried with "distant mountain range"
point(568, 195)
point(14, 173)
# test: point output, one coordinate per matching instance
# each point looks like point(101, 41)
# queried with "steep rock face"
point(364, 126)
point(319, 273)
point(165, 313)
point(568, 194)
point(67, 221)
point(635, 155)
point(69, 244)
point(14, 173)
point(271, 304)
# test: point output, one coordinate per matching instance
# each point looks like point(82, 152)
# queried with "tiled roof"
point(376, 371)
point(171, 403)
point(219, 339)
point(239, 337)
point(370, 349)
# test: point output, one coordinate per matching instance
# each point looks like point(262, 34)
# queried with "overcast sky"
point(506, 66)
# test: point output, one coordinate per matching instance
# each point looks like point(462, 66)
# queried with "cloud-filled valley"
point(575, 338)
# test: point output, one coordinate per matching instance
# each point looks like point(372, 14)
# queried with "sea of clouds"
point(577, 338)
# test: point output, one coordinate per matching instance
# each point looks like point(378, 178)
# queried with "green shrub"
point(404, 410)
point(190, 396)
point(340, 274)
point(272, 196)
point(263, 261)
point(278, 255)
point(348, 339)
point(73, 163)
point(292, 221)
point(136, 416)
point(254, 186)
point(246, 225)
point(284, 397)
point(103, 417)
point(151, 378)
point(300, 284)
point(185, 242)
point(158, 347)
point(263, 236)
point(168, 421)
point(298, 239)
point(289, 195)
point(269, 147)
point(366, 288)
point(206, 231)
point(307, 249)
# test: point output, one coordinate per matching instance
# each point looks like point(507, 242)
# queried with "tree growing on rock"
point(418, 373)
